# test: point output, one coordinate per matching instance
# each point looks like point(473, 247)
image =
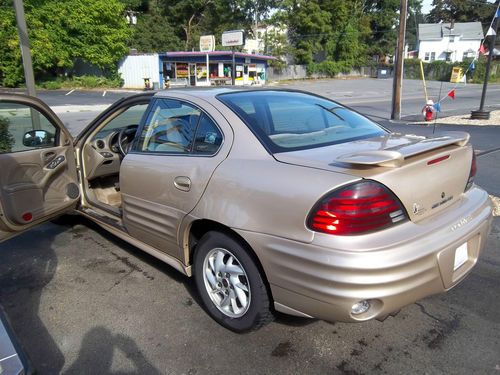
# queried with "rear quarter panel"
point(252, 191)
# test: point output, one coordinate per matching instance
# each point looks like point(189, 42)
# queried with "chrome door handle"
point(182, 183)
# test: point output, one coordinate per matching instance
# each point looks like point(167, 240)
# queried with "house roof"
point(436, 31)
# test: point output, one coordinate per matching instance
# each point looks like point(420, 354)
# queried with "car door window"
point(130, 117)
point(208, 137)
point(23, 128)
point(170, 127)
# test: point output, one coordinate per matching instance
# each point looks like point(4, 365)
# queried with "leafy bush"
point(83, 82)
point(6, 139)
point(90, 82)
point(328, 68)
point(441, 70)
point(52, 85)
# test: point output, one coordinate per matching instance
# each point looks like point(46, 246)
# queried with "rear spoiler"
point(393, 157)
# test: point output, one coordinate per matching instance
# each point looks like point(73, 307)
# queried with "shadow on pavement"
point(24, 272)
point(99, 346)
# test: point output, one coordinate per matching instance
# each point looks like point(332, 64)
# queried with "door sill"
point(115, 227)
point(114, 222)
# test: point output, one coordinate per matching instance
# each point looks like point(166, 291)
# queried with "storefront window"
point(227, 70)
point(239, 71)
point(214, 70)
point(169, 70)
point(182, 70)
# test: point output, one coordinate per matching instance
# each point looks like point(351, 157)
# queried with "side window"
point(131, 116)
point(169, 127)
point(23, 128)
point(208, 137)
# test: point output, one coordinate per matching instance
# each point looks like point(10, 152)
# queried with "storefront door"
point(192, 74)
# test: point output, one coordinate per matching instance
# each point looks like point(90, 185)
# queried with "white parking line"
point(69, 92)
point(9, 357)
point(104, 93)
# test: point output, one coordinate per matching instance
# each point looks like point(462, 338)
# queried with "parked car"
point(272, 200)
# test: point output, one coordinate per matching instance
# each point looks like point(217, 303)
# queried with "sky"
point(426, 6)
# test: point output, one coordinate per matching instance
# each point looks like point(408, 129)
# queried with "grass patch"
point(82, 82)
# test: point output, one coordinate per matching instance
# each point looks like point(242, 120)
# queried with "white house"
point(258, 43)
point(449, 42)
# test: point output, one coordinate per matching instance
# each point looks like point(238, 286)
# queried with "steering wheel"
point(125, 138)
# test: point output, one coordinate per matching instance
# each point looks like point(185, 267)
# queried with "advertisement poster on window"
point(201, 71)
point(182, 70)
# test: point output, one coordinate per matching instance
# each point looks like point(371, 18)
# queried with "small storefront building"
point(191, 68)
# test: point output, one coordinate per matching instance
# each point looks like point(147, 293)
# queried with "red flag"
point(451, 94)
point(482, 49)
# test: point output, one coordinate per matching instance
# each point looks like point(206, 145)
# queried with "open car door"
point(38, 177)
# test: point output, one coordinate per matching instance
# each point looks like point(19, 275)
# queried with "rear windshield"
point(288, 121)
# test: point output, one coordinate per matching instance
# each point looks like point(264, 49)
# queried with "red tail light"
point(362, 207)
point(473, 171)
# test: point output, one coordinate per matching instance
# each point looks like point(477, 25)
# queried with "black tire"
point(258, 310)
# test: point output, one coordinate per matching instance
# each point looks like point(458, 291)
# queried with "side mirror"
point(38, 138)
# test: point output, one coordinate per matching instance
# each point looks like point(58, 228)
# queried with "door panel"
point(165, 176)
point(38, 172)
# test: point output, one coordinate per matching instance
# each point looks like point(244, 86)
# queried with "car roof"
point(212, 92)
point(197, 92)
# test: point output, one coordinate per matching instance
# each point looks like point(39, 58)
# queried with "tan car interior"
point(38, 170)
point(102, 158)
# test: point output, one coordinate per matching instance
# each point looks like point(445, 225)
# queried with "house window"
point(452, 38)
point(426, 57)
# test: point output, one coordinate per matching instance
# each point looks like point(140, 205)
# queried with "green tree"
point(276, 44)
point(384, 19)
point(192, 18)
point(187, 16)
point(61, 31)
point(461, 11)
point(325, 29)
point(154, 33)
point(6, 138)
point(415, 17)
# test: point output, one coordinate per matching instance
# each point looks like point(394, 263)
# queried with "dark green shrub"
point(6, 139)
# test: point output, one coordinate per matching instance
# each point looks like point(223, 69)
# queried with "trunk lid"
point(427, 174)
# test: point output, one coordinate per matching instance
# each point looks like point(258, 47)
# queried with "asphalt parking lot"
point(84, 302)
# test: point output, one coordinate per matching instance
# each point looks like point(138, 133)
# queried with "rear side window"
point(286, 121)
point(208, 137)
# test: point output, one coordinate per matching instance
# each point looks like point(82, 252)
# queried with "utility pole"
point(25, 47)
point(481, 114)
point(233, 68)
point(398, 74)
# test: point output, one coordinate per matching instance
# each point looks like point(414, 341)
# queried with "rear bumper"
point(391, 269)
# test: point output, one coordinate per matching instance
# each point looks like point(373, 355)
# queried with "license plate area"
point(456, 261)
point(461, 256)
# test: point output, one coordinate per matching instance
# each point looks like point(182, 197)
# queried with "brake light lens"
point(358, 208)
point(473, 171)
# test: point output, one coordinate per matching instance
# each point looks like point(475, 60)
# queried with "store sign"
point(207, 43)
point(233, 38)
